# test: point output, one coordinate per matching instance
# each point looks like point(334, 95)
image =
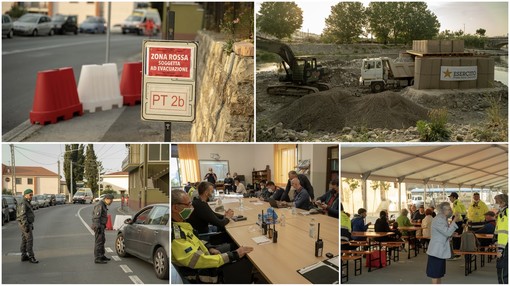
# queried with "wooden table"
point(279, 262)
point(484, 235)
point(412, 232)
point(372, 235)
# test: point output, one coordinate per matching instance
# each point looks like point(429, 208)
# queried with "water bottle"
point(294, 211)
point(311, 231)
point(241, 204)
point(282, 220)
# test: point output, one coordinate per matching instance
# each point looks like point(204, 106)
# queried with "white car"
point(33, 24)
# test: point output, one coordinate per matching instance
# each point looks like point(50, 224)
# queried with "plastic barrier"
point(131, 83)
point(119, 221)
point(98, 87)
point(56, 97)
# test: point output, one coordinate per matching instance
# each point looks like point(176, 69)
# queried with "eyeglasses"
point(188, 204)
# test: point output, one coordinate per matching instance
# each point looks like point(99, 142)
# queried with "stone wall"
point(224, 110)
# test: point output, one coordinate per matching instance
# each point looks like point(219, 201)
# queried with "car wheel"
point(34, 33)
point(51, 32)
point(120, 246)
point(123, 31)
point(76, 31)
point(10, 34)
point(160, 263)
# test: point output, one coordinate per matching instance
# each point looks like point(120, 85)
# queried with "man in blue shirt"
point(358, 223)
point(302, 198)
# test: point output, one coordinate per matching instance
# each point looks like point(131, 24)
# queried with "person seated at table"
point(240, 188)
point(413, 210)
point(358, 223)
point(476, 212)
point(277, 192)
point(345, 229)
point(433, 211)
point(267, 192)
point(426, 223)
point(301, 199)
point(203, 218)
point(303, 179)
point(329, 201)
point(196, 260)
point(382, 225)
point(488, 228)
point(403, 220)
point(262, 188)
point(229, 183)
point(419, 215)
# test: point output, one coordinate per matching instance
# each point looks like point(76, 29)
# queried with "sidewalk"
point(126, 210)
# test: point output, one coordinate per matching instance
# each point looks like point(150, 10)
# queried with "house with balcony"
point(148, 166)
point(39, 179)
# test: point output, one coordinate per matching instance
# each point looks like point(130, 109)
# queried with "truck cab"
point(379, 73)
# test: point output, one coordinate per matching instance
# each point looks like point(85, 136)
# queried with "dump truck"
point(303, 75)
point(382, 73)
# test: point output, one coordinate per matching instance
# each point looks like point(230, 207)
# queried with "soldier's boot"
point(99, 261)
point(105, 258)
point(33, 260)
point(24, 257)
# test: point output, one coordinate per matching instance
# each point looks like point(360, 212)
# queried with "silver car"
point(146, 236)
point(34, 24)
point(43, 201)
point(7, 29)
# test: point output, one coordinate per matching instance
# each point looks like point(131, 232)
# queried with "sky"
point(492, 16)
point(47, 155)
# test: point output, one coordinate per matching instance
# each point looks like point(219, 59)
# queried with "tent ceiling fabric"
point(467, 165)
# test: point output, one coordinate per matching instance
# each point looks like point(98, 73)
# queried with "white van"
point(135, 23)
point(83, 196)
point(417, 200)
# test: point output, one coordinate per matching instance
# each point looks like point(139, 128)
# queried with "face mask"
point(185, 213)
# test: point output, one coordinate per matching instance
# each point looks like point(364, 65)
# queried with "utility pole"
point(58, 186)
point(71, 190)
point(13, 170)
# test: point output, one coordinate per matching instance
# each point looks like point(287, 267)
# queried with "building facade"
point(41, 180)
point(117, 181)
point(148, 166)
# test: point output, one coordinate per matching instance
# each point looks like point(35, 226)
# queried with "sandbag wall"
point(427, 72)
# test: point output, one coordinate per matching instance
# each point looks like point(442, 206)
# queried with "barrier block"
point(55, 97)
point(131, 83)
point(98, 88)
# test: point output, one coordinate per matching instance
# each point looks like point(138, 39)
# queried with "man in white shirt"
point(240, 188)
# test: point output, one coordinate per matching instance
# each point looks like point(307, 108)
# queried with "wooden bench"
point(470, 258)
point(391, 245)
point(345, 266)
point(359, 252)
point(425, 246)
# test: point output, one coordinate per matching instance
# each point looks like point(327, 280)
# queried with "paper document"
point(258, 203)
point(261, 239)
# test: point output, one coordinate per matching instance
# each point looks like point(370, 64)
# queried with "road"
point(64, 247)
point(23, 57)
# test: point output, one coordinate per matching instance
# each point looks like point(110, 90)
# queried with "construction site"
point(373, 92)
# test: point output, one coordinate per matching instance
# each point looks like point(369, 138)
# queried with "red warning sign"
point(169, 62)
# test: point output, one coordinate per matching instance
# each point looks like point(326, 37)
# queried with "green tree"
point(481, 32)
point(381, 19)
point(91, 169)
point(279, 19)
point(345, 23)
point(73, 154)
point(414, 22)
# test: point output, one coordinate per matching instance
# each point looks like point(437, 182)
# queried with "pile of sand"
point(334, 109)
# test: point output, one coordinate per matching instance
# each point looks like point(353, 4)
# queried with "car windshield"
point(80, 194)
point(92, 20)
point(133, 18)
point(59, 18)
point(28, 18)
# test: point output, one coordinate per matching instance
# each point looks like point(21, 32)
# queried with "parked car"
point(99, 198)
point(65, 24)
point(146, 236)
point(33, 24)
point(417, 200)
point(60, 199)
point(43, 201)
point(83, 196)
point(7, 27)
point(93, 25)
point(5, 211)
point(51, 198)
point(35, 203)
point(13, 206)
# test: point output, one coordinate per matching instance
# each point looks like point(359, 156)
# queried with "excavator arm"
point(278, 48)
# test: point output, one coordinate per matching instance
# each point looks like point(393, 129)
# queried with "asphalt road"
point(23, 57)
point(64, 247)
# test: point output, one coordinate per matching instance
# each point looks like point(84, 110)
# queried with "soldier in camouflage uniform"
point(99, 220)
point(25, 216)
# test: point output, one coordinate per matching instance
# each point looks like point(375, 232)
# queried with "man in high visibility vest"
point(459, 213)
point(502, 238)
point(203, 262)
point(476, 212)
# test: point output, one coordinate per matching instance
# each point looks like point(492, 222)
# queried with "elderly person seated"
point(403, 220)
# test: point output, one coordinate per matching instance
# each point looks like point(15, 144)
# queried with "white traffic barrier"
point(99, 88)
point(119, 221)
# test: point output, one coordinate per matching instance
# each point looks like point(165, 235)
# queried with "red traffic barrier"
point(131, 83)
point(109, 225)
point(56, 97)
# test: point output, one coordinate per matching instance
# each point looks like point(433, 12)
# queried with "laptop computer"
point(273, 203)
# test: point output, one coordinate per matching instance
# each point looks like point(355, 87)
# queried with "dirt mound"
point(334, 109)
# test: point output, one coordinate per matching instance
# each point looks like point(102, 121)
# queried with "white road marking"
point(126, 268)
point(14, 254)
point(84, 223)
point(135, 279)
point(107, 249)
point(116, 258)
point(57, 46)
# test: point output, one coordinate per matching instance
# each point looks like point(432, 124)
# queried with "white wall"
point(318, 155)
point(46, 185)
point(117, 183)
point(82, 9)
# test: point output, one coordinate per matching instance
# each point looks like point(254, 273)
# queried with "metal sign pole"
point(169, 35)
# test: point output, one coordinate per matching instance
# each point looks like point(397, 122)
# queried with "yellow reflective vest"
point(502, 228)
point(189, 251)
point(345, 222)
point(458, 208)
point(476, 211)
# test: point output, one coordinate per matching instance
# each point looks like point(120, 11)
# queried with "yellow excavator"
point(302, 74)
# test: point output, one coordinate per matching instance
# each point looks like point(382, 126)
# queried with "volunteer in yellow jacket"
point(459, 212)
point(476, 211)
point(502, 238)
point(199, 261)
